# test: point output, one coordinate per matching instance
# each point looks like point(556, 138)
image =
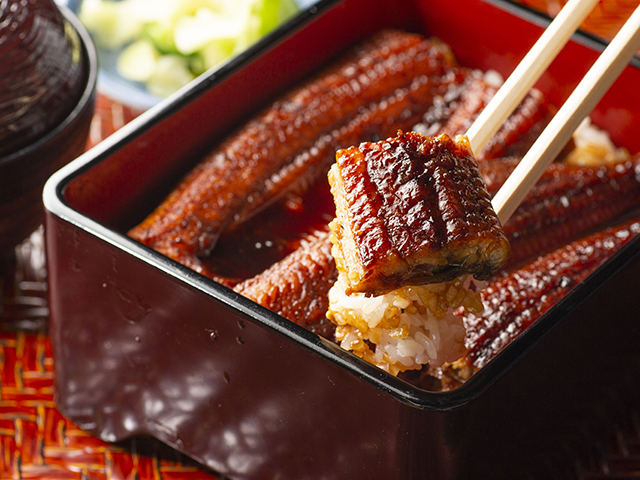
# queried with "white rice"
point(493, 78)
point(407, 328)
point(593, 146)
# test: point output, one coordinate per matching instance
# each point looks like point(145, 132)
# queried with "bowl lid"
point(43, 71)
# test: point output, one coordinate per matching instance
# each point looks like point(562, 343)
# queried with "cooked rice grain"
point(593, 146)
point(406, 328)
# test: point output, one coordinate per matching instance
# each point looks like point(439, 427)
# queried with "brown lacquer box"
point(144, 346)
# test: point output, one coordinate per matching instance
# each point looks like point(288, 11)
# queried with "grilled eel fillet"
point(596, 195)
point(352, 98)
point(455, 112)
point(412, 210)
point(566, 202)
point(298, 286)
point(515, 300)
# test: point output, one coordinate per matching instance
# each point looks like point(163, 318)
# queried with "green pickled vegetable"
point(167, 43)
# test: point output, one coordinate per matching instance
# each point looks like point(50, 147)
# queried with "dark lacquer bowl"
point(145, 346)
point(47, 93)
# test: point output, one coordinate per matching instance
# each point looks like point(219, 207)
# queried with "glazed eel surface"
point(566, 202)
point(412, 209)
point(298, 286)
point(515, 300)
point(454, 112)
point(381, 85)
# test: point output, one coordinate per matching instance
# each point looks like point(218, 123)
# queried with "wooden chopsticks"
point(584, 98)
point(528, 71)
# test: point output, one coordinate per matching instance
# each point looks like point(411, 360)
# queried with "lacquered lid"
point(42, 71)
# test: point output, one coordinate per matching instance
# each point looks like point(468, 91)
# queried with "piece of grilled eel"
point(413, 220)
point(412, 210)
point(297, 287)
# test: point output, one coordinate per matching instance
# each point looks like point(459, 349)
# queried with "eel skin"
point(515, 300)
point(298, 286)
point(455, 112)
point(565, 203)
